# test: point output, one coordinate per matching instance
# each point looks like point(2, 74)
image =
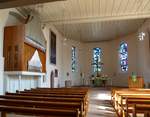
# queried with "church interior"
point(75, 58)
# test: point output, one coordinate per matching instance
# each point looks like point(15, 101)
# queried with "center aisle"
point(99, 105)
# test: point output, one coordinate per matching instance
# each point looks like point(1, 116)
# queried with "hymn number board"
point(52, 48)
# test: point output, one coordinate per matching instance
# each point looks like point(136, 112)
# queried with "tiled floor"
point(100, 103)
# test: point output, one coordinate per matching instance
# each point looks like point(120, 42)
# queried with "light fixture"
point(141, 36)
point(64, 28)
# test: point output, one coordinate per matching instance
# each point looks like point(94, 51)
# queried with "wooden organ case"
point(18, 51)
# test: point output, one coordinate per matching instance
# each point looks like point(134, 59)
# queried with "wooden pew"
point(63, 95)
point(47, 95)
point(43, 104)
point(72, 88)
point(131, 97)
point(115, 95)
point(42, 98)
point(138, 108)
point(38, 111)
point(51, 101)
point(70, 91)
point(61, 91)
point(81, 90)
point(132, 102)
point(52, 92)
point(127, 101)
point(56, 93)
point(64, 91)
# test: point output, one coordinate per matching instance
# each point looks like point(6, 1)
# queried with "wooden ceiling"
point(18, 3)
point(100, 31)
point(95, 20)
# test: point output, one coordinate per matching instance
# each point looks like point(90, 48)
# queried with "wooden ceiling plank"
point(97, 19)
point(118, 6)
point(141, 6)
point(126, 6)
point(122, 7)
point(18, 3)
point(112, 9)
point(144, 4)
point(139, 2)
point(134, 6)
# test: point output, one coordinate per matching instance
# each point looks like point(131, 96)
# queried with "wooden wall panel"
point(13, 47)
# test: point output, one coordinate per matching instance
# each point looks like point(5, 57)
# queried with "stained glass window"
point(123, 54)
point(73, 58)
point(97, 53)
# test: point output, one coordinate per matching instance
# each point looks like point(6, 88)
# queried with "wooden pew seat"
point(38, 111)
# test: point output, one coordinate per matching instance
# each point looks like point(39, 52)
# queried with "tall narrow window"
point(97, 55)
point(53, 48)
point(123, 54)
point(73, 58)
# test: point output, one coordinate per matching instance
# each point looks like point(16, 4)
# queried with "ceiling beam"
point(18, 3)
point(97, 19)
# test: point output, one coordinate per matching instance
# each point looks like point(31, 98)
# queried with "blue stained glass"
point(123, 54)
point(97, 59)
point(73, 59)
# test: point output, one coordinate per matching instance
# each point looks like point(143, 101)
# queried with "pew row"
point(38, 111)
point(62, 99)
point(125, 101)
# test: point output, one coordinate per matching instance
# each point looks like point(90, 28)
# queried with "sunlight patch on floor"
point(100, 103)
point(103, 97)
point(104, 107)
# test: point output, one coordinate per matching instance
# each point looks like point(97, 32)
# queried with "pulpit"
point(138, 82)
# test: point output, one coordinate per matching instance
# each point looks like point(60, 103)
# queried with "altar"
point(101, 81)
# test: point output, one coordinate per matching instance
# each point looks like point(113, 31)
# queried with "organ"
point(19, 50)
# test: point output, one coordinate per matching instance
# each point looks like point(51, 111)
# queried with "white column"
point(2, 85)
point(19, 85)
point(40, 80)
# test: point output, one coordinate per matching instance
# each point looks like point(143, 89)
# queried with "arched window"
point(73, 64)
point(123, 54)
point(97, 55)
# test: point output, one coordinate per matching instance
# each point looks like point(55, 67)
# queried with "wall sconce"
point(141, 36)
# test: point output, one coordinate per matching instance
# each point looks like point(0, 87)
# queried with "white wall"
point(63, 62)
point(144, 53)
point(110, 58)
point(27, 81)
point(121, 78)
point(4, 16)
point(63, 55)
point(138, 57)
point(106, 57)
